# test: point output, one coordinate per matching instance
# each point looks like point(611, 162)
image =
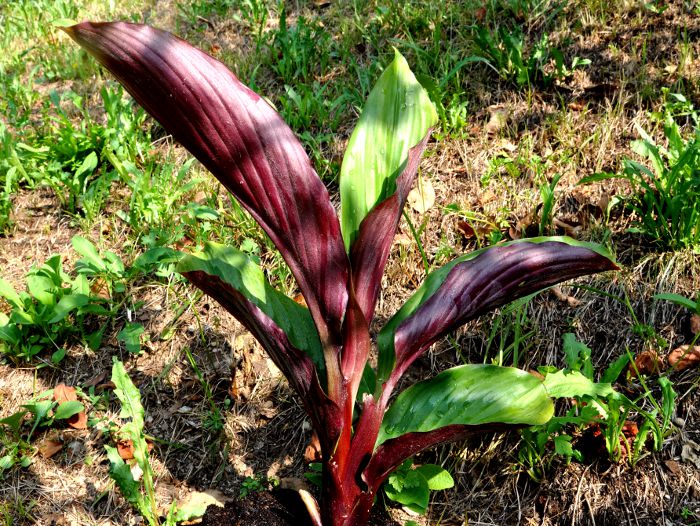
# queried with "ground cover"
point(532, 97)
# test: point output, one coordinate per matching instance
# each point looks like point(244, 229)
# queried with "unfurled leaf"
point(397, 115)
point(468, 395)
point(243, 141)
point(437, 477)
point(476, 283)
point(8, 292)
point(236, 270)
point(120, 472)
point(68, 304)
point(413, 493)
point(128, 394)
point(89, 252)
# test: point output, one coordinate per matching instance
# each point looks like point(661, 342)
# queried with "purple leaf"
point(244, 142)
point(392, 453)
point(495, 277)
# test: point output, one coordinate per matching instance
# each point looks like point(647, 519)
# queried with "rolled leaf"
point(244, 142)
point(476, 283)
point(371, 249)
point(468, 395)
point(397, 116)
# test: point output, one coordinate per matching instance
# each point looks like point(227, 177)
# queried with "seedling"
point(338, 261)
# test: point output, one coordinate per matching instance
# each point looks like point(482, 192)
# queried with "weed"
point(411, 485)
point(506, 53)
point(600, 419)
point(256, 484)
point(57, 309)
point(666, 197)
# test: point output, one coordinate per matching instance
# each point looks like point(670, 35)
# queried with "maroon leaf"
point(370, 250)
point(497, 276)
point(296, 366)
point(244, 142)
point(393, 452)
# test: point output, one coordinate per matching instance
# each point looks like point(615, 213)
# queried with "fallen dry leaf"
point(422, 197)
point(64, 393)
point(684, 357)
point(569, 228)
point(674, 467)
point(497, 120)
point(78, 421)
point(96, 380)
point(125, 448)
point(49, 447)
point(312, 453)
point(646, 362)
point(690, 453)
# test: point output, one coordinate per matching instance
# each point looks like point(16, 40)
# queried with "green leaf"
point(689, 304)
point(414, 492)
point(562, 445)
point(438, 478)
point(128, 394)
point(58, 355)
point(397, 115)
point(39, 409)
point(571, 384)
point(14, 421)
point(87, 166)
point(614, 370)
point(121, 474)
point(43, 289)
point(86, 249)
point(68, 304)
point(9, 293)
point(130, 335)
point(68, 409)
point(468, 395)
point(239, 271)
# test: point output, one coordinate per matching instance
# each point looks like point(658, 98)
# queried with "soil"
point(276, 508)
point(279, 508)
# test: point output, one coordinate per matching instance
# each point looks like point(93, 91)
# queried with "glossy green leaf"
point(8, 292)
point(468, 395)
point(570, 384)
point(411, 490)
point(89, 252)
point(237, 270)
point(397, 115)
point(130, 336)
